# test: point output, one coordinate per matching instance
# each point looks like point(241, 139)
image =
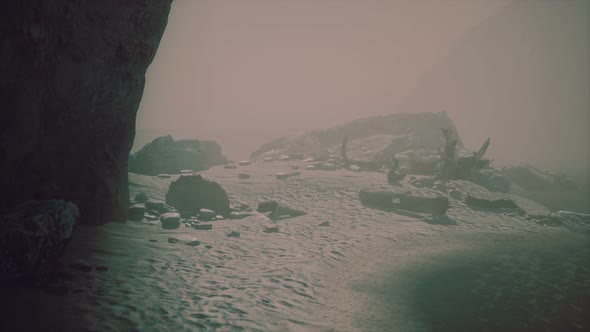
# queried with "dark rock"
point(153, 240)
point(423, 202)
point(206, 215)
point(159, 207)
point(72, 78)
point(240, 206)
point(325, 224)
point(233, 234)
point(203, 227)
point(393, 176)
point(141, 198)
point(80, 265)
point(243, 176)
point(136, 212)
point(490, 203)
point(170, 220)
point(193, 193)
point(165, 155)
point(33, 238)
point(278, 211)
point(267, 206)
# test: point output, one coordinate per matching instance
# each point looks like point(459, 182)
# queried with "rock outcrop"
point(191, 193)
point(33, 237)
point(165, 155)
point(71, 78)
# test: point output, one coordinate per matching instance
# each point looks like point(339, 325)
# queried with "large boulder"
point(191, 193)
point(165, 155)
point(33, 237)
point(72, 75)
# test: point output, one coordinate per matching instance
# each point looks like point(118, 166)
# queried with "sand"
point(369, 270)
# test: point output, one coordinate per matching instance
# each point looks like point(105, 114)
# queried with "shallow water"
point(303, 278)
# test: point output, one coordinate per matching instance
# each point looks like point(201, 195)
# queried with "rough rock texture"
point(71, 78)
point(165, 155)
point(33, 237)
point(192, 193)
point(370, 139)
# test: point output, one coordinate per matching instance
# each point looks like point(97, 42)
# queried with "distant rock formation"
point(33, 237)
point(164, 155)
point(372, 139)
point(72, 75)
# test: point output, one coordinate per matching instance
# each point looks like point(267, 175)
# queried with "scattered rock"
point(324, 224)
point(136, 212)
point(170, 220)
point(159, 207)
point(203, 227)
point(193, 193)
point(80, 265)
point(33, 238)
point(271, 229)
point(423, 202)
point(164, 155)
point(239, 215)
point(442, 219)
point(230, 166)
point(490, 203)
point(206, 215)
point(141, 197)
point(243, 176)
point(233, 234)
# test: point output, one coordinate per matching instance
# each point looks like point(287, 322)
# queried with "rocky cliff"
point(71, 78)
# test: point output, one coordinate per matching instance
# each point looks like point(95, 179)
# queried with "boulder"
point(193, 193)
point(33, 237)
point(165, 155)
point(136, 212)
point(170, 220)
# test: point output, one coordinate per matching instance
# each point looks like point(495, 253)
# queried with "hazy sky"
point(244, 72)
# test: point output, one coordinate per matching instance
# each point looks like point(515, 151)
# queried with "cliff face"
point(71, 78)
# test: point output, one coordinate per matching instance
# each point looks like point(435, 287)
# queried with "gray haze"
point(245, 72)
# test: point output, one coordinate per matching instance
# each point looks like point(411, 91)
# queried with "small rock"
point(206, 214)
point(173, 240)
point(208, 246)
point(324, 224)
point(233, 234)
point(203, 227)
point(102, 268)
point(80, 265)
point(153, 240)
point(243, 176)
point(245, 163)
point(148, 216)
point(193, 243)
point(141, 197)
point(136, 212)
point(218, 217)
point(170, 220)
point(271, 229)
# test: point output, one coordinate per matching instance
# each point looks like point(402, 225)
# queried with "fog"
point(245, 72)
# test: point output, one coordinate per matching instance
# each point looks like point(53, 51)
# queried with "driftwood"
point(453, 167)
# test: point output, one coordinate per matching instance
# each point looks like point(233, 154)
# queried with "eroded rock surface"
point(72, 75)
